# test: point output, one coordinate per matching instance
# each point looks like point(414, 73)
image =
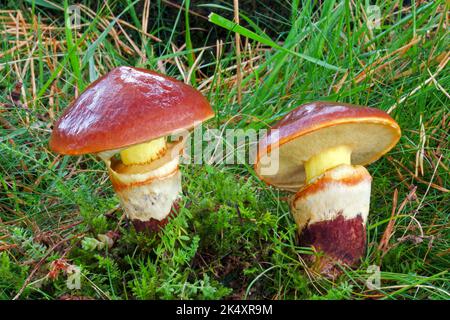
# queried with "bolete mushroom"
point(125, 117)
point(322, 150)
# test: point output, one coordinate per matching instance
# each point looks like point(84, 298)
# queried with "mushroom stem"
point(144, 152)
point(148, 192)
point(325, 160)
point(331, 214)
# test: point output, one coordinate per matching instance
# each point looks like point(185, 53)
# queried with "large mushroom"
point(321, 150)
point(125, 118)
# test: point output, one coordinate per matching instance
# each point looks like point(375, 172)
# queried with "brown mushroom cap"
point(127, 106)
point(314, 127)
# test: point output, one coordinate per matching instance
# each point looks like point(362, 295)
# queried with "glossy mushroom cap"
point(314, 127)
point(127, 106)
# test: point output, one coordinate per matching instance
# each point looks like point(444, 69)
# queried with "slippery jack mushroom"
point(322, 150)
point(125, 117)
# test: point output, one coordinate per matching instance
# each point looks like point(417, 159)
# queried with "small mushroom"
point(322, 148)
point(125, 117)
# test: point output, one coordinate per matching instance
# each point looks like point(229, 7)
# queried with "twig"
point(383, 246)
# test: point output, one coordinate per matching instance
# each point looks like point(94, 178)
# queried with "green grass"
point(234, 237)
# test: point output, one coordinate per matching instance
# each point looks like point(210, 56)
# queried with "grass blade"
point(264, 39)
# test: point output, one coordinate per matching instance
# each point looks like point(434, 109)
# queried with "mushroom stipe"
point(153, 225)
point(343, 240)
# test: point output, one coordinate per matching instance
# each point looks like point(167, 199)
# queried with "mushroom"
point(125, 118)
point(321, 150)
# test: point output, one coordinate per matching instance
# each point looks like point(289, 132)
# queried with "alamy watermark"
point(73, 281)
point(373, 14)
point(373, 282)
point(229, 146)
point(74, 16)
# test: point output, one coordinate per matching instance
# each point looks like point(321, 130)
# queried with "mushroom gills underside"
point(368, 142)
